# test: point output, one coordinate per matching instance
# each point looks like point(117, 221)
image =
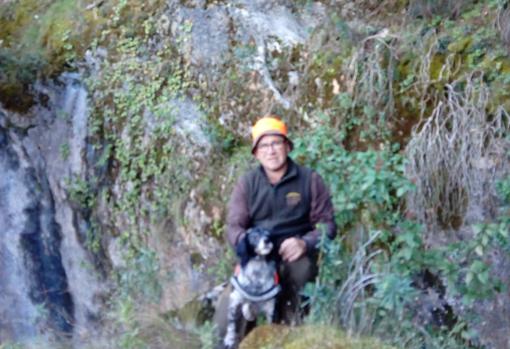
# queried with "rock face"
point(53, 281)
point(249, 37)
point(49, 278)
point(24, 270)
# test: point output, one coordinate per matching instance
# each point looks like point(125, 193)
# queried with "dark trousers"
point(293, 277)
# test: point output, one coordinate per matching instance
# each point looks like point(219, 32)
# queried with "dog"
point(255, 283)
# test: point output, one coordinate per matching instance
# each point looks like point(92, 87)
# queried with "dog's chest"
point(257, 276)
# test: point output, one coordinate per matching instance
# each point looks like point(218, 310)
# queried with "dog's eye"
point(253, 239)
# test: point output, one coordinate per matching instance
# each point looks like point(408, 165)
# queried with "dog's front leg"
point(268, 309)
point(234, 305)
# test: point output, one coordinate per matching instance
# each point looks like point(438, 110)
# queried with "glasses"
point(277, 145)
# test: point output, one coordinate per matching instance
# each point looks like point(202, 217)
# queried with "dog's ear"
point(243, 249)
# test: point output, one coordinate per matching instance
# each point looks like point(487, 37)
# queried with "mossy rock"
point(42, 38)
point(194, 313)
point(158, 333)
point(306, 337)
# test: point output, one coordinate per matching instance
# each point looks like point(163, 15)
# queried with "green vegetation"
point(64, 151)
point(369, 279)
point(133, 127)
point(400, 211)
point(39, 39)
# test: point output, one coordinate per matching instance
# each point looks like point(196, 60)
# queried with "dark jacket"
point(291, 207)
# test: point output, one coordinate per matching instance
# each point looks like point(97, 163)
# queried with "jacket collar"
point(292, 171)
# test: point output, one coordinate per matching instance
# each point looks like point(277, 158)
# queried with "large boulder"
point(305, 337)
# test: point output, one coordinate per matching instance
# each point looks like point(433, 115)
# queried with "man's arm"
point(321, 211)
point(238, 218)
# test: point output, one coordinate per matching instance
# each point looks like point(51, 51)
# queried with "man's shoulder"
point(314, 177)
point(250, 174)
point(304, 169)
point(255, 170)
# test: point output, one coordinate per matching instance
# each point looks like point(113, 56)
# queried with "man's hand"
point(292, 249)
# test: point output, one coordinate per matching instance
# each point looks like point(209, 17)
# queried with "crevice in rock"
point(40, 242)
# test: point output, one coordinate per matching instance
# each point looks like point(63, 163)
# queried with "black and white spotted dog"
point(255, 283)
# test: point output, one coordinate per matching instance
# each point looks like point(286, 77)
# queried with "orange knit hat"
point(268, 125)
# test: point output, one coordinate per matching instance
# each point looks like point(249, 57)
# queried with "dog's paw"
point(229, 342)
point(248, 312)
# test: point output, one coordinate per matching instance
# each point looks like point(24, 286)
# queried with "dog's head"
point(257, 241)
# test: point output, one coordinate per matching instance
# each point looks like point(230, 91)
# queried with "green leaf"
point(477, 228)
point(469, 278)
point(503, 231)
point(407, 253)
point(477, 266)
point(401, 191)
point(483, 277)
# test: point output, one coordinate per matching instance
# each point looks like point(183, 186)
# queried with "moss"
point(266, 336)
point(500, 93)
point(430, 9)
point(436, 66)
point(194, 313)
point(306, 337)
point(39, 39)
point(460, 45)
point(15, 16)
point(156, 332)
point(16, 73)
point(47, 28)
point(325, 67)
point(43, 38)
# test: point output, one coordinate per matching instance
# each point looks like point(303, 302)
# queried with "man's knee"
point(300, 272)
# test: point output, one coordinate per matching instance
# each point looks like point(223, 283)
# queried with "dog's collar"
point(259, 297)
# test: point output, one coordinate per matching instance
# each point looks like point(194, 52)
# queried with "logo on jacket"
point(293, 198)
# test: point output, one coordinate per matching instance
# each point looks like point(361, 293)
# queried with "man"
point(288, 200)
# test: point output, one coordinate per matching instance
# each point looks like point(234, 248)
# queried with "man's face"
point(272, 152)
